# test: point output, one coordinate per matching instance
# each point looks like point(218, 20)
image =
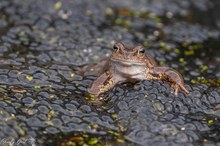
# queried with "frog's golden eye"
point(141, 51)
point(115, 47)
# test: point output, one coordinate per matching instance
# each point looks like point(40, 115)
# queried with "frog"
point(131, 64)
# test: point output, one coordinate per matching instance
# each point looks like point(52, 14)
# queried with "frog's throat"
point(127, 62)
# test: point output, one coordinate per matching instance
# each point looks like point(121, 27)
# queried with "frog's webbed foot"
point(102, 84)
point(169, 75)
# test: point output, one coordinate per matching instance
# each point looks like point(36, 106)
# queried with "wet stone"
point(55, 78)
point(58, 108)
point(40, 76)
point(92, 120)
point(82, 88)
point(152, 96)
point(50, 72)
point(16, 105)
point(85, 108)
point(31, 70)
point(44, 58)
point(13, 81)
point(144, 135)
point(218, 75)
point(33, 121)
point(209, 144)
point(168, 117)
point(23, 78)
point(57, 86)
point(28, 100)
point(44, 94)
point(181, 138)
point(3, 104)
point(13, 73)
point(42, 24)
point(193, 73)
point(58, 101)
point(192, 135)
point(71, 106)
point(43, 109)
point(43, 117)
point(20, 95)
point(179, 120)
point(66, 119)
point(31, 111)
point(189, 126)
point(73, 126)
point(22, 118)
point(107, 119)
point(124, 113)
point(10, 132)
point(3, 49)
point(10, 110)
point(3, 78)
point(76, 120)
point(52, 130)
point(56, 122)
point(211, 99)
point(80, 78)
point(65, 129)
point(70, 87)
point(196, 94)
point(122, 105)
point(215, 94)
point(32, 134)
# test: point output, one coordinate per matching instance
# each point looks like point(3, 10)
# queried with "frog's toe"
point(176, 87)
point(183, 88)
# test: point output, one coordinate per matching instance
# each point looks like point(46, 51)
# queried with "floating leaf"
point(18, 90)
point(72, 74)
point(210, 121)
point(120, 140)
point(77, 139)
point(37, 87)
point(29, 78)
point(57, 5)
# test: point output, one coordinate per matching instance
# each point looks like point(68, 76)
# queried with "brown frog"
point(131, 64)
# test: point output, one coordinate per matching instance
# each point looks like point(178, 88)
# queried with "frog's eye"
point(115, 47)
point(141, 51)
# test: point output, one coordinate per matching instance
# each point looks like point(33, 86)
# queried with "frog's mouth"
point(127, 62)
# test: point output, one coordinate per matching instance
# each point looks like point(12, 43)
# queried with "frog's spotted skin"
point(131, 64)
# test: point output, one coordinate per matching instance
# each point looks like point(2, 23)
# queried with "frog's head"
point(128, 54)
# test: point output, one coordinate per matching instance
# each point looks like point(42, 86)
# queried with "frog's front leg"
point(102, 83)
point(167, 74)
